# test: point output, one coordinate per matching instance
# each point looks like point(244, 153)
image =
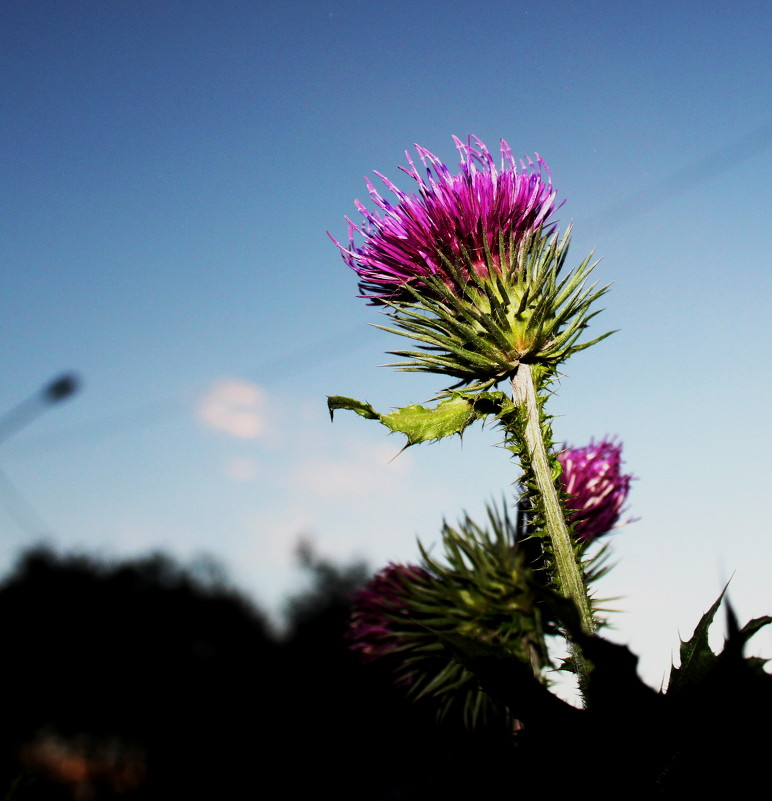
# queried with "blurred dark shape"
point(132, 680)
point(62, 387)
point(87, 766)
point(27, 410)
point(145, 680)
point(322, 611)
point(357, 737)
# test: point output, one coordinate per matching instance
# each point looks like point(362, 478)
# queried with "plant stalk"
point(567, 573)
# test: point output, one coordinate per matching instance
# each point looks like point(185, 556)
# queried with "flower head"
point(465, 219)
point(372, 630)
point(596, 487)
point(481, 590)
point(470, 267)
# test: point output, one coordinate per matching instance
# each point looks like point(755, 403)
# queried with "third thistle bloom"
point(460, 219)
point(379, 607)
point(596, 487)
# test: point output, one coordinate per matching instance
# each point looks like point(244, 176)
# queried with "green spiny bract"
point(488, 321)
point(481, 589)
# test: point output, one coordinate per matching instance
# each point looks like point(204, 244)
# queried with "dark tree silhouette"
point(130, 677)
point(146, 680)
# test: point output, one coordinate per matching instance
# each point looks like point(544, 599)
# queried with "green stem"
point(567, 573)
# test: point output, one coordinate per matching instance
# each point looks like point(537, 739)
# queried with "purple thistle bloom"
point(596, 487)
point(453, 218)
point(372, 626)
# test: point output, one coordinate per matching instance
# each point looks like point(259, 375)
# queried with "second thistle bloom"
point(596, 487)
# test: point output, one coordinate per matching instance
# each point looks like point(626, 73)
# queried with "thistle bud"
point(596, 487)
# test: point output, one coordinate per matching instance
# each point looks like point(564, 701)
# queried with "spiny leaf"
point(752, 626)
point(421, 424)
point(363, 409)
point(417, 423)
point(756, 665)
point(696, 656)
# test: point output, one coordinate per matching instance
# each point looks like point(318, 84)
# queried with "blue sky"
point(168, 171)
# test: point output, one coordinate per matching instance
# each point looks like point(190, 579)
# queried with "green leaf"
point(421, 424)
point(756, 664)
point(339, 402)
point(696, 656)
point(417, 423)
point(752, 626)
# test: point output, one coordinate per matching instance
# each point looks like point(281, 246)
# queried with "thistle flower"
point(453, 219)
point(372, 631)
point(481, 591)
point(596, 487)
point(469, 267)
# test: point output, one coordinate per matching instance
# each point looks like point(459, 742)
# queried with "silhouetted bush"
point(143, 679)
point(141, 667)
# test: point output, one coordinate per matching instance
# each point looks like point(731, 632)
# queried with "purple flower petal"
point(449, 216)
point(371, 629)
point(596, 487)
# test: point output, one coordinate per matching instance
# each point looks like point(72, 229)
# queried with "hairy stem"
point(566, 571)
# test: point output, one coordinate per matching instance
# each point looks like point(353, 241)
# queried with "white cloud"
point(236, 407)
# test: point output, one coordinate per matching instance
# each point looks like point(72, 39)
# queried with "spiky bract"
point(481, 590)
point(527, 313)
